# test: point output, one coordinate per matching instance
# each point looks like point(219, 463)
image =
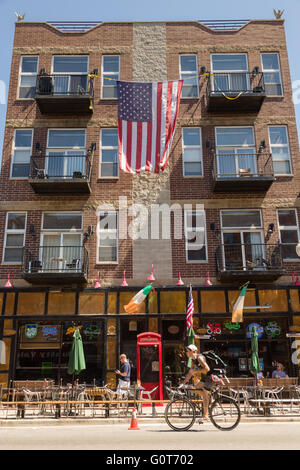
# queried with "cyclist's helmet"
point(192, 347)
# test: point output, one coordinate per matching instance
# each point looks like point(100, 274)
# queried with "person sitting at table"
point(279, 373)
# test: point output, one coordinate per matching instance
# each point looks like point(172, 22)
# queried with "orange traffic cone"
point(134, 423)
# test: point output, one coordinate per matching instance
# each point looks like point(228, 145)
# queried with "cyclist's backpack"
point(214, 362)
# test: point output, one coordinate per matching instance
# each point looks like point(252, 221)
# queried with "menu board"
point(40, 336)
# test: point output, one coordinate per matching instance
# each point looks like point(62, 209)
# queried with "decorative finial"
point(19, 17)
point(278, 14)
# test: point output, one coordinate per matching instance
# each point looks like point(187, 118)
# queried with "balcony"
point(242, 172)
point(249, 262)
point(237, 92)
point(65, 94)
point(61, 174)
point(55, 265)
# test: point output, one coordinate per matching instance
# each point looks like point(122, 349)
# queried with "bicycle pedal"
point(201, 421)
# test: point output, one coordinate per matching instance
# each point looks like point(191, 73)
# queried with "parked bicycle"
point(184, 407)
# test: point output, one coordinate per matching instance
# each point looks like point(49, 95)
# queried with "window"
point(235, 151)
point(195, 236)
point(289, 232)
point(108, 237)
point(189, 75)
point(272, 74)
point(14, 237)
point(28, 74)
point(109, 153)
point(22, 148)
point(61, 241)
point(229, 72)
point(280, 150)
point(70, 74)
point(110, 74)
point(66, 153)
point(242, 241)
point(192, 151)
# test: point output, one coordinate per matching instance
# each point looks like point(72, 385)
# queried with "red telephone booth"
point(149, 363)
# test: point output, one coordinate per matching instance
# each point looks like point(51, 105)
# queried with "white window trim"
point(229, 71)
point(65, 129)
point(237, 145)
point(14, 231)
point(108, 73)
point(198, 229)
point(20, 148)
point(107, 148)
point(69, 73)
point(55, 230)
point(231, 229)
point(99, 212)
point(197, 147)
point(289, 227)
point(181, 74)
point(26, 74)
point(287, 145)
point(272, 71)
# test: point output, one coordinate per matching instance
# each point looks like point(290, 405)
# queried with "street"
point(150, 436)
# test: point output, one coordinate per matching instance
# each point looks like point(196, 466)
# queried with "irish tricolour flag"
point(137, 300)
point(237, 309)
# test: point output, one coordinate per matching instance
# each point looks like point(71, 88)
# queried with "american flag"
point(147, 114)
point(190, 310)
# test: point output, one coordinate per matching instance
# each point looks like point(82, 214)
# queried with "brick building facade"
point(235, 160)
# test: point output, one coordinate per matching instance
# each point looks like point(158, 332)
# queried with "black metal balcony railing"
point(238, 91)
point(55, 262)
point(249, 260)
point(63, 93)
point(242, 171)
point(60, 173)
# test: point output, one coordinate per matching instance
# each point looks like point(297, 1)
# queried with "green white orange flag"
point(137, 300)
point(237, 309)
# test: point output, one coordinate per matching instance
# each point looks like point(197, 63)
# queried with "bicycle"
point(182, 410)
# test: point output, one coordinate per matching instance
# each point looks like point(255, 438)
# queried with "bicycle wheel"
point(225, 413)
point(180, 414)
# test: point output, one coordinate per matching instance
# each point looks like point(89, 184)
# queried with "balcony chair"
point(74, 265)
point(245, 172)
point(35, 265)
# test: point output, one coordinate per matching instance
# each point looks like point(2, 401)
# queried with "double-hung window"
point(280, 150)
point(70, 75)
point(189, 74)
point(110, 75)
point(28, 74)
point(14, 237)
point(192, 151)
point(289, 232)
point(195, 236)
point(242, 238)
point(107, 237)
point(61, 241)
point(66, 153)
point(109, 153)
point(22, 147)
point(235, 151)
point(272, 74)
point(229, 72)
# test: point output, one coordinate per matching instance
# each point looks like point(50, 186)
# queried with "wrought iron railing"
point(249, 257)
point(235, 83)
point(242, 165)
point(61, 167)
point(55, 259)
point(65, 85)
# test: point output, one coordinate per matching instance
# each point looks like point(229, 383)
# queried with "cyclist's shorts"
point(209, 385)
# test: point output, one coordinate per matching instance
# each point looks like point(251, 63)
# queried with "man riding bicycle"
point(199, 365)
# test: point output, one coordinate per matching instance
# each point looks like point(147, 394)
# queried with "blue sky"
point(136, 10)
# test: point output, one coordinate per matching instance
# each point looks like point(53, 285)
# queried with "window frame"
point(189, 72)
point(108, 148)
point(20, 148)
point(65, 129)
point(229, 71)
point(192, 147)
point(287, 145)
point(56, 230)
point(14, 231)
point(236, 228)
point(103, 73)
point(291, 228)
point(198, 229)
point(28, 74)
point(116, 230)
point(272, 71)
